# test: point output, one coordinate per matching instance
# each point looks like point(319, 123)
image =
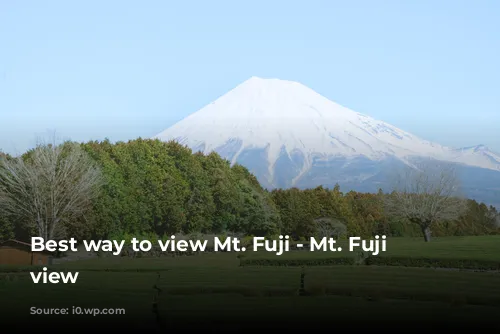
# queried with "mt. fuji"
point(288, 135)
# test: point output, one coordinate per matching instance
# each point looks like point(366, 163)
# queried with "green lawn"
point(485, 248)
point(367, 281)
point(288, 309)
point(476, 247)
point(207, 260)
point(346, 292)
point(335, 308)
point(215, 282)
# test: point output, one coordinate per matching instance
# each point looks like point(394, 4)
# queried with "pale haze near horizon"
point(124, 69)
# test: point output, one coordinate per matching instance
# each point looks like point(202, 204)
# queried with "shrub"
point(246, 291)
point(27, 269)
point(297, 262)
point(472, 264)
point(247, 241)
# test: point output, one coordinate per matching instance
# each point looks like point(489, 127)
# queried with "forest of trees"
point(151, 187)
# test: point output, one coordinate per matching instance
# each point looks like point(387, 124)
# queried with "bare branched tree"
point(328, 227)
point(497, 221)
point(49, 186)
point(425, 195)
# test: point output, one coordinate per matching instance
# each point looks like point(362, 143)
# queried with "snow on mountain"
point(287, 118)
point(479, 155)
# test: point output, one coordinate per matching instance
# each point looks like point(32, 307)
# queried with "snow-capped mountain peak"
point(479, 155)
point(287, 120)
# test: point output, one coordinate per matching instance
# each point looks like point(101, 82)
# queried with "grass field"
point(475, 253)
point(216, 283)
point(483, 248)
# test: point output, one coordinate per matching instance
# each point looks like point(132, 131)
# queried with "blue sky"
point(124, 69)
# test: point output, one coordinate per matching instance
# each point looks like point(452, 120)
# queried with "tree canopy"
point(159, 188)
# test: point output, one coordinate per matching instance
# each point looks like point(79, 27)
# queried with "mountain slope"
point(289, 135)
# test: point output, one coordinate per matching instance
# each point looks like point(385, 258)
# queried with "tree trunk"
point(426, 230)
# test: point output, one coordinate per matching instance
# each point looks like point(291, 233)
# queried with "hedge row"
point(297, 262)
point(26, 269)
point(387, 293)
point(17, 269)
point(246, 291)
point(370, 293)
point(426, 262)
point(417, 262)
